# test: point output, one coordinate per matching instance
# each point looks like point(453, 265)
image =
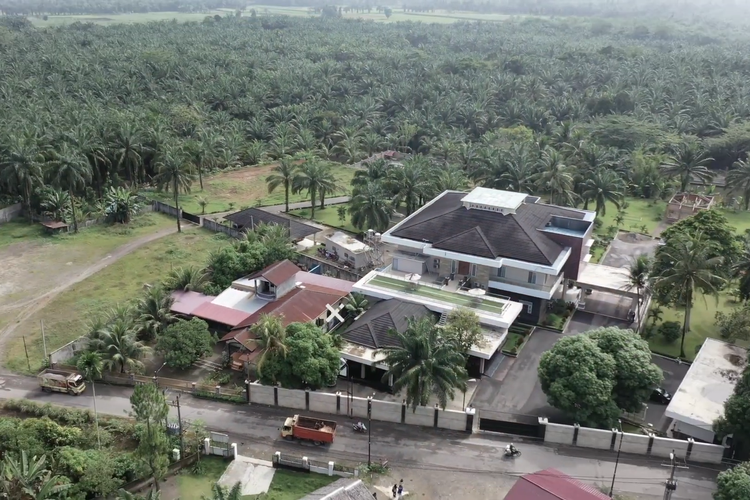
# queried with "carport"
point(611, 294)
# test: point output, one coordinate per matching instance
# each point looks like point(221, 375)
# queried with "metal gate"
point(507, 423)
point(192, 218)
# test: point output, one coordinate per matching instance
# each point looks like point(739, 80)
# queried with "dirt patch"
point(633, 237)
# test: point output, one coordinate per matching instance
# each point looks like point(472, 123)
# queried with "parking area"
point(674, 372)
point(584, 321)
point(626, 247)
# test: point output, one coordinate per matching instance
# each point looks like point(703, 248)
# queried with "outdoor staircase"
point(443, 319)
point(208, 364)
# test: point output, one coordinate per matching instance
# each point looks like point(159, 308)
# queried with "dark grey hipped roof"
point(249, 218)
point(371, 329)
point(342, 489)
point(447, 225)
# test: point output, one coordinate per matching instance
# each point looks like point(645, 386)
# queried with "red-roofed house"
point(551, 484)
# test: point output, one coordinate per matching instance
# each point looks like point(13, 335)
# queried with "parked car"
point(660, 395)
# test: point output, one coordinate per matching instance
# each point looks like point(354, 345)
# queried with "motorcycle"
point(359, 427)
point(512, 452)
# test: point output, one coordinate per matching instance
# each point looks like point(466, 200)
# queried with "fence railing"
point(174, 384)
point(220, 228)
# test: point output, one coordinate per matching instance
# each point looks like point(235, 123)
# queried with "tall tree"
point(26, 479)
point(409, 183)
point(316, 178)
point(270, 335)
point(425, 365)
point(21, 168)
point(369, 208)
point(119, 347)
point(555, 178)
point(153, 312)
point(70, 170)
point(602, 187)
point(90, 365)
point(175, 174)
point(282, 174)
point(687, 162)
point(127, 148)
point(691, 269)
point(738, 180)
point(638, 280)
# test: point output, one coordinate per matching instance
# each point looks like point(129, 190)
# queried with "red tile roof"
point(551, 484)
point(298, 306)
point(277, 273)
point(220, 314)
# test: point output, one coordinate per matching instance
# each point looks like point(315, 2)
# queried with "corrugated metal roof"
point(219, 314)
point(250, 218)
point(551, 484)
point(187, 302)
point(277, 273)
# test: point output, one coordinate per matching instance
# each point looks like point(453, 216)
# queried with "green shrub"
point(670, 331)
point(59, 414)
point(240, 399)
point(554, 321)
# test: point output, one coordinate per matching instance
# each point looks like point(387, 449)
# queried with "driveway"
point(584, 321)
point(515, 387)
point(626, 247)
point(674, 372)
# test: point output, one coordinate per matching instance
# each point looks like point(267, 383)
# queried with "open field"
point(328, 216)
point(398, 15)
point(640, 212)
point(66, 316)
point(245, 188)
point(289, 485)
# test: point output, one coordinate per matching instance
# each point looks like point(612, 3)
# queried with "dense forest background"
point(502, 102)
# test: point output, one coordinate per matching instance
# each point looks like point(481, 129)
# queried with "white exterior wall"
point(261, 394)
point(594, 438)
point(322, 402)
point(387, 411)
point(452, 419)
point(290, 398)
point(633, 443)
point(408, 265)
point(706, 453)
point(704, 434)
point(559, 434)
point(360, 259)
point(662, 447)
point(423, 416)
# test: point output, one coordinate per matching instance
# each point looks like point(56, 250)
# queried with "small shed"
point(683, 205)
point(54, 227)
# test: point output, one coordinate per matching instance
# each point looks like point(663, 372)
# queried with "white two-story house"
point(509, 245)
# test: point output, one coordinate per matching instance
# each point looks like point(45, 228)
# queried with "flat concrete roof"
point(605, 278)
point(708, 384)
point(348, 242)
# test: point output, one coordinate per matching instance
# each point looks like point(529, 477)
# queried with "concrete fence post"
point(276, 395)
point(338, 402)
point(207, 446)
point(307, 399)
point(470, 412)
point(218, 389)
point(650, 443)
point(576, 427)
point(194, 388)
point(691, 442)
point(403, 411)
point(543, 428)
point(330, 468)
point(436, 416)
point(234, 451)
point(614, 440)
point(247, 387)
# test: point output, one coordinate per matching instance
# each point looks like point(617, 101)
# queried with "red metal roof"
point(219, 314)
point(277, 273)
point(551, 484)
point(187, 302)
point(325, 281)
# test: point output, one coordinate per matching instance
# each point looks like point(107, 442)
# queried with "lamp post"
point(617, 461)
point(369, 427)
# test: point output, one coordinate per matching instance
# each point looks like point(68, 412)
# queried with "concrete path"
point(479, 456)
point(254, 475)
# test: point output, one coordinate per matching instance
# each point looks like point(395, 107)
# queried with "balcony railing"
point(526, 284)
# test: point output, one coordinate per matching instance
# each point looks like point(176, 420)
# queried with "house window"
point(346, 255)
point(501, 272)
point(529, 306)
point(532, 278)
point(436, 263)
point(473, 270)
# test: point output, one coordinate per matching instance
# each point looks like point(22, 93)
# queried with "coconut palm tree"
point(90, 365)
point(26, 479)
point(119, 346)
point(741, 272)
point(21, 168)
point(282, 174)
point(691, 268)
point(153, 312)
point(356, 304)
point(316, 178)
point(175, 172)
point(738, 180)
point(369, 208)
point(638, 281)
point(409, 183)
point(270, 335)
point(70, 170)
point(127, 147)
point(687, 162)
point(555, 178)
point(602, 187)
point(186, 279)
point(374, 171)
point(424, 365)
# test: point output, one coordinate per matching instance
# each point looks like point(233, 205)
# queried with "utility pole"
point(44, 343)
point(671, 484)
point(27, 353)
point(369, 426)
point(617, 461)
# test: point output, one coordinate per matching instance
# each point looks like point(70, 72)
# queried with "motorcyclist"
point(511, 450)
point(361, 427)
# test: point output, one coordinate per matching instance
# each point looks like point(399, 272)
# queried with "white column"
point(481, 365)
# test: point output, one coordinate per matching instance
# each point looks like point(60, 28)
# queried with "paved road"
point(406, 447)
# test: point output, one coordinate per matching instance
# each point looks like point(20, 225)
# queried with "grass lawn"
point(245, 188)
point(107, 19)
point(701, 325)
point(197, 486)
point(289, 485)
point(328, 216)
point(639, 212)
point(66, 317)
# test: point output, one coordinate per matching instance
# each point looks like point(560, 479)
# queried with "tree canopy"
point(185, 342)
point(595, 376)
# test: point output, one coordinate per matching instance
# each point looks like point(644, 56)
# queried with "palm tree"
point(21, 168)
point(741, 272)
point(175, 173)
point(688, 162)
point(409, 183)
point(738, 180)
point(153, 312)
point(270, 335)
point(374, 171)
point(221, 493)
point(424, 365)
point(55, 202)
point(90, 365)
point(655, 314)
point(283, 174)
point(602, 187)
point(638, 280)
point(30, 480)
point(127, 147)
point(70, 170)
point(369, 209)
point(555, 178)
point(316, 178)
point(120, 204)
point(356, 304)
point(186, 279)
point(690, 268)
point(119, 346)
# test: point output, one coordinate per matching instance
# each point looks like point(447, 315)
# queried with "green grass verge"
point(198, 486)
point(289, 485)
point(245, 188)
point(66, 317)
point(639, 213)
point(328, 216)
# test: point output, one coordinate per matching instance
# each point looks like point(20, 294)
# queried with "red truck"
point(317, 430)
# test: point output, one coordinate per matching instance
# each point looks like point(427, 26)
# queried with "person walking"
point(395, 490)
point(401, 489)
